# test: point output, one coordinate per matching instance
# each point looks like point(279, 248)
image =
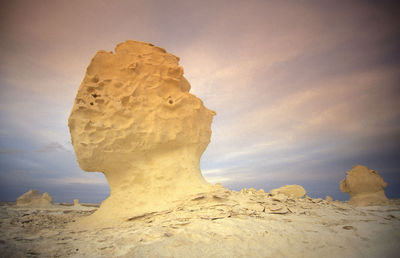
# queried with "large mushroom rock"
point(295, 191)
point(134, 120)
point(365, 186)
point(33, 198)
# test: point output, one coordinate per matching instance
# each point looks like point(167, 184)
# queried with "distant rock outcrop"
point(34, 199)
point(135, 120)
point(365, 186)
point(296, 191)
point(76, 203)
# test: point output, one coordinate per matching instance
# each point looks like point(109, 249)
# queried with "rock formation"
point(295, 191)
point(134, 120)
point(365, 186)
point(33, 198)
point(329, 198)
point(76, 203)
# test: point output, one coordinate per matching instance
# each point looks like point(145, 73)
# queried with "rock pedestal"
point(365, 186)
point(76, 203)
point(135, 121)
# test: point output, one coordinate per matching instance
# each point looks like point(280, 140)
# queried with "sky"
point(303, 90)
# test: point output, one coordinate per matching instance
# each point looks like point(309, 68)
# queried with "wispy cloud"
point(52, 146)
point(78, 180)
point(9, 151)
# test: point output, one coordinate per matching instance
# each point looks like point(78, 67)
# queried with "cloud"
point(51, 147)
point(212, 171)
point(9, 151)
point(356, 104)
point(217, 179)
point(78, 180)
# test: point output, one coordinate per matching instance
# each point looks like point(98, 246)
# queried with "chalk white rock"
point(33, 198)
point(76, 203)
point(279, 197)
point(328, 198)
point(134, 120)
point(295, 191)
point(365, 186)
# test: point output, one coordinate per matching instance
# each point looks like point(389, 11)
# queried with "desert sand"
point(134, 120)
point(217, 224)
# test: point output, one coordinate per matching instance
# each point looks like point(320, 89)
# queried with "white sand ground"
point(219, 224)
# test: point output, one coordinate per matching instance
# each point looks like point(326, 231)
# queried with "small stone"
point(261, 192)
point(252, 190)
point(295, 191)
point(279, 197)
point(292, 209)
point(275, 207)
point(282, 210)
point(254, 207)
point(316, 200)
point(26, 220)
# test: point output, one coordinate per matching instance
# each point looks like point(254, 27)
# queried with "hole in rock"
point(91, 103)
point(95, 79)
point(95, 95)
point(170, 101)
point(125, 101)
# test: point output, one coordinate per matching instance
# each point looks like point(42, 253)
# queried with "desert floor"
point(224, 224)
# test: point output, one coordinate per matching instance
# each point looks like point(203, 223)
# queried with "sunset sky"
point(303, 90)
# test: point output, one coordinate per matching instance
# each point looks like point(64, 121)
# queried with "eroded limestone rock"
point(76, 203)
point(33, 198)
point(134, 120)
point(365, 186)
point(295, 191)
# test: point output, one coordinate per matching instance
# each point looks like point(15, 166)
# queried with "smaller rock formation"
point(33, 198)
point(365, 186)
point(252, 191)
point(76, 203)
point(295, 191)
point(328, 198)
